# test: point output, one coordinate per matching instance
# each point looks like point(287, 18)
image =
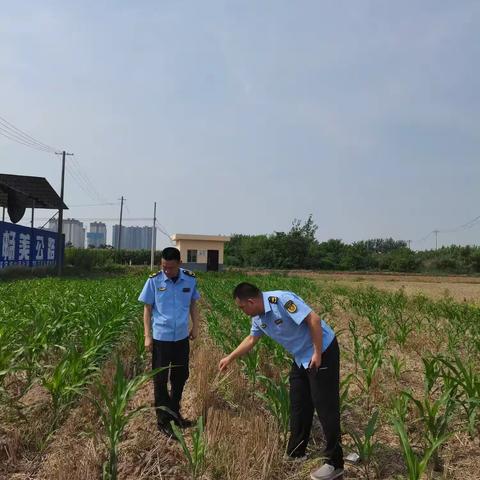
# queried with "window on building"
point(192, 256)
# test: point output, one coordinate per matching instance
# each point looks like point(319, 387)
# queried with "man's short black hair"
point(245, 290)
point(171, 253)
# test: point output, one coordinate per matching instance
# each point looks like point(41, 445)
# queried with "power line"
point(166, 234)
point(73, 170)
point(164, 229)
point(83, 181)
point(24, 134)
point(93, 205)
point(10, 131)
point(422, 239)
point(109, 219)
point(74, 175)
point(88, 181)
point(11, 136)
point(470, 224)
point(465, 226)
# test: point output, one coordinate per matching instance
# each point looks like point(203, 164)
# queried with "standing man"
point(170, 297)
point(314, 377)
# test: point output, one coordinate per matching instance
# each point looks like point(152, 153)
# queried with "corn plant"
point(250, 363)
point(435, 417)
point(432, 372)
point(368, 303)
point(327, 300)
point(416, 464)
point(7, 367)
point(196, 456)
point(403, 330)
point(277, 399)
point(398, 365)
point(68, 379)
point(365, 443)
point(60, 333)
point(357, 346)
point(369, 357)
point(112, 410)
point(467, 381)
point(345, 383)
point(278, 355)
point(399, 407)
point(139, 345)
point(401, 322)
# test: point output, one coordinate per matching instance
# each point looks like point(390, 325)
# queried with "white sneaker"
point(326, 472)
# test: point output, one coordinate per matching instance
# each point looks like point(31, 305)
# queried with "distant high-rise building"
point(133, 238)
point(72, 229)
point(97, 235)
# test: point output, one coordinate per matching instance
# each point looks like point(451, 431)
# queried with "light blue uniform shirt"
point(283, 321)
point(171, 304)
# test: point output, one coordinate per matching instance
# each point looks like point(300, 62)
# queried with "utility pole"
point(120, 229)
point(60, 217)
point(32, 221)
point(3, 215)
point(154, 237)
point(436, 239)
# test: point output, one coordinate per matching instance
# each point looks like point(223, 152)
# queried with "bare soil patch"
point(459, 287)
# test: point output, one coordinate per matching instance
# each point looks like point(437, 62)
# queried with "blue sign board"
point(25, 246)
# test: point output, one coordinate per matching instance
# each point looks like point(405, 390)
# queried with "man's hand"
point(193, 332)
point(148, 343)
point(224, 362)
point(315, 362)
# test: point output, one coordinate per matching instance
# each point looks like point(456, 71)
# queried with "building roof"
point(33, 191)
point(206, 238)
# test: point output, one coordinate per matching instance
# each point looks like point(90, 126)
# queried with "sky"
point(240, 116)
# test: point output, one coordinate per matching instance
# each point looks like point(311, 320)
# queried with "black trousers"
point(174, 355)
point(318, 391)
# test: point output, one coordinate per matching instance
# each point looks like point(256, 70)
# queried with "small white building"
point(201, 252)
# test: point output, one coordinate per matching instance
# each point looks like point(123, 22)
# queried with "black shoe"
point(166, 430)
point(183, 422)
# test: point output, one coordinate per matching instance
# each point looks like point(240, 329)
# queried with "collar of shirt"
point(266, 307)
point(266, 304)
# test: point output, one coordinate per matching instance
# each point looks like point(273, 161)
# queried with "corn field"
point(410, 381)
point(388, 402)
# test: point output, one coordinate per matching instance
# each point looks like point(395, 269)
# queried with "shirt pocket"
point(185, 297)
point(161, 300)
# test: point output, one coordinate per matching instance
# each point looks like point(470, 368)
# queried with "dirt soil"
point(461, 288)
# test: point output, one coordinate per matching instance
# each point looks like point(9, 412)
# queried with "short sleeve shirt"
point(283, 321)
point(170, 304)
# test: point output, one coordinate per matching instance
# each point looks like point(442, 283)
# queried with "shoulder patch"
point(152, 275)
point(273, 299)
point(188, 272)
point(290, 306)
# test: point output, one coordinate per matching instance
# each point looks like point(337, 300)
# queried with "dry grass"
point(460, 288)
point(243, 445)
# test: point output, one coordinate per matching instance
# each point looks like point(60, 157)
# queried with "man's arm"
point(314, 323)
point(147, 326)
point(195, 314)
point(247, 344)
